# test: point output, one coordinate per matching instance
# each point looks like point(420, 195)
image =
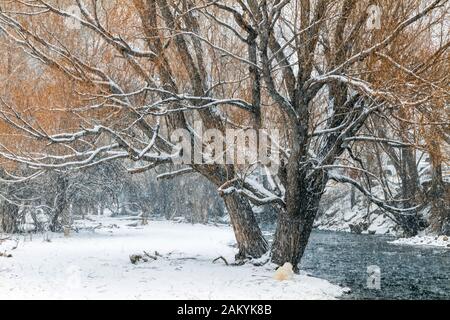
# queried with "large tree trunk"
point(295, 223)
point(250, 240)
point(291, 237)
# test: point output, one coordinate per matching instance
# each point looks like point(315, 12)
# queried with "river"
point(406, 272)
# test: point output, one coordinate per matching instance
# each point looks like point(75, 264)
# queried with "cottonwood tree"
point(148, 68)
point(121, 113)
point(323, 49)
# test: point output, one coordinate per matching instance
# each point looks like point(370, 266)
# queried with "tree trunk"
point(291, 238)
point(250, 240)
point(60, 204)
point(412, 223)
point(296, 222)
point(438, 195)
point(352, 197)
point(8, 217)
point(409, 176)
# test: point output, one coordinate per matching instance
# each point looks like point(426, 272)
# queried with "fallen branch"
point(221, 258)
point(5, 255)
point(135, 258)
point(260, 263)
point(150, 256)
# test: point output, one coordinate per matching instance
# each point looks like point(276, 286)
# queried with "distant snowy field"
point(95, 264)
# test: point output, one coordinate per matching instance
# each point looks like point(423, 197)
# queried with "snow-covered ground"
point(95, 264)
point(422, 240)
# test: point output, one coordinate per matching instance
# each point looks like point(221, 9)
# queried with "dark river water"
point(407, 272)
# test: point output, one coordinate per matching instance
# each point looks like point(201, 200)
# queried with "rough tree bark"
point(60, 207)
point(8, 217)
point(439, 193)
point(413, 223)
point(9, 212)
point(295, 222)
point(250, 240)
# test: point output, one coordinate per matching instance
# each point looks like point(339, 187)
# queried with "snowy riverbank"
point(338, 214)
point(426, 241)
point(95, 264)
